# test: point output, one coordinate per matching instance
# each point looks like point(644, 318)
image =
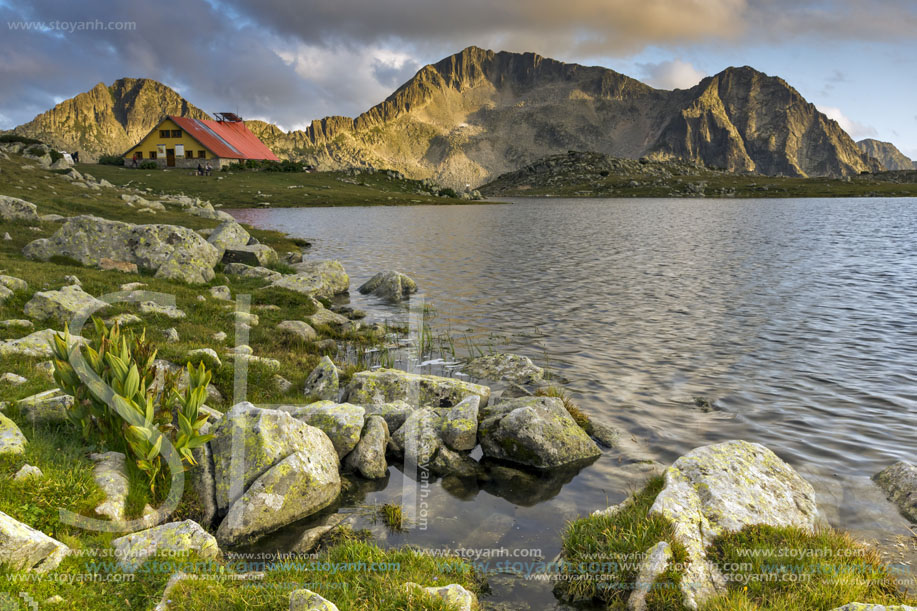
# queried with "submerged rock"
point(513, 368)
point(23, 548)
point(534, 431)
point(721, 488)
point(899, 482)
point(387, 385)
point(390, 285)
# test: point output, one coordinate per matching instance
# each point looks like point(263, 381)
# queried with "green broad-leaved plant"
point(122, 408)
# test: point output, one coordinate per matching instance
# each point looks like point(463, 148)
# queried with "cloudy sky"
point(291, 62)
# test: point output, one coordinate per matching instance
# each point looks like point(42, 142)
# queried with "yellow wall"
point(148, 144)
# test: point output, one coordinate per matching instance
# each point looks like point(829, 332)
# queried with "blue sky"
point(292, 62)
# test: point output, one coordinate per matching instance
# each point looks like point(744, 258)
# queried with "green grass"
point(391, 515)
point(770, 569)
point(279, 189)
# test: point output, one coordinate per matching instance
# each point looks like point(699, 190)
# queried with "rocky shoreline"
point(268, 467)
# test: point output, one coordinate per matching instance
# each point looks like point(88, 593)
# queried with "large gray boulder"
point(394, 413)
point(13, 284)
point(417, 440)
point(390, 285)
point(62, 305)
point(23, 548)
point(341, 422)
point(899, 482)
point(15, 209)
point(513, 368)
point(182, 252)
point(335, 280)
point(298, 486)
point(368, 457)
point(175, 537)
point(323, 382)
point(534, 431)
point(229, 234)
point(12, 441)
point(260, 439)
point(387, 385)
point(298, 329)
point(722, 488)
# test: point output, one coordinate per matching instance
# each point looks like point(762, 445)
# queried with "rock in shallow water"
point(368, 456)
point(390, 285)
point(899, 482)
point(388, 385)
point(513, 368)
point(535, 431)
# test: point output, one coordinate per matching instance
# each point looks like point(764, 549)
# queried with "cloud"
point(857, 130)
point(674, 74)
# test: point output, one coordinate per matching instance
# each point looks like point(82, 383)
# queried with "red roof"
point(229, 139)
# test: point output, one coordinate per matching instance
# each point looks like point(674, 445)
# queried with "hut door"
point(170, 157)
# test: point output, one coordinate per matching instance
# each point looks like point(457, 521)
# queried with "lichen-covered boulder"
point(23, 548)
point(307, 600)
point(15, 209)
point(334, 279)
point(341, 422)
point(46, 407)
point(513, 368)
point(229, 234)
point(193, 267)
point(324, 316)
point(417, 440)
point(110, 474)
point(390, 285)
point(12, 441)
point(459, 429)
point(298, 329)
point(62, 305)
point(262, 438)
point(169, 311)
point(259, 255)
point(456, 597)
point(242, 270)
point(534, 431)
point(654, 564)
point(721, 488)
point(298, 486)
point(394, 413)
point(176, 537)
point(37, 344)
point(13, 283)
point(387, 385)
point(88, 239)
point(899, 482)
point(322, 383)
point(368, 456)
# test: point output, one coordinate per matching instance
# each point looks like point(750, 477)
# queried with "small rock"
point(23, 548)
point(899, 482)
point(127, 267)
point(322, 383)
point(169, 311)
point(110, 474)
point(170, 334)
point(208, 356)
point(12, 379)
point(123, 320)
point(459, 429)
point(653, 565)
point(14, 284)
point(132, 286)
point(221, 292)
point(28, 472)
point(368, 456)
point(219, 336)
point(63, 305)
point(307, 600)
point(455, 596)
point(513, 368)
point(298, 329)
point(186, 536)
point(281, 383)
point(50, 406)
point(73, 280)
point(390, 285)
point(16, 323)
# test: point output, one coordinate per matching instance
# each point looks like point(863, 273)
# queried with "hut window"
point(176, 133)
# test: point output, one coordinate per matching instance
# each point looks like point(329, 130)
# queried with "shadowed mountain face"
point(887, 154)
point(108, 120)
point(477, 114)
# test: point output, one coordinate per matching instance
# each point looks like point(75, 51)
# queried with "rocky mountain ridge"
point(478, 114)
point(887, 154)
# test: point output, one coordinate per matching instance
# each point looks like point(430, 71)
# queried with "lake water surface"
point(796, 318)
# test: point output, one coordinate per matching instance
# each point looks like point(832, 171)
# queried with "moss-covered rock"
point(899, 482)
point(12, 441)
point(456, 597)
point(24, 548)
point(513, 368)
point(37, 344)
point(534, 431)
point(181, 537)
point(341, 422)
point(368, 456)
point(228, 234)
point(63, 306)
point(459, 429)
point(307, 600)
point(15, 209)
point(721, 488)
point(387, 385)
